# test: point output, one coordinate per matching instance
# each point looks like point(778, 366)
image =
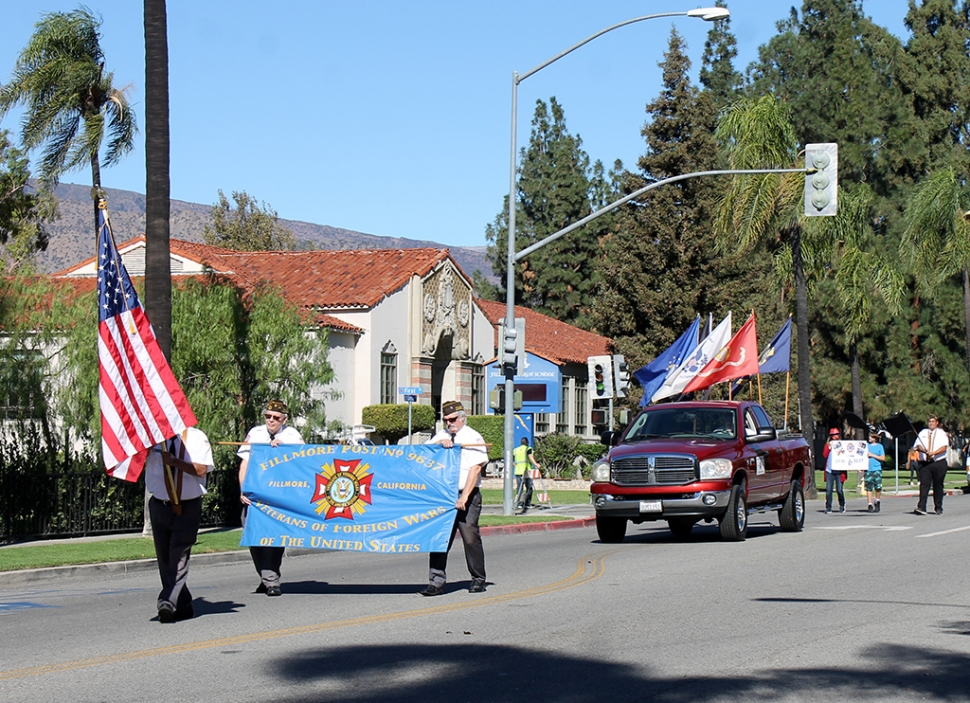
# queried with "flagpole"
point(103, 205)
point(787, 391)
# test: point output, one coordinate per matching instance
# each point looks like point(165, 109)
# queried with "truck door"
point(775, 478)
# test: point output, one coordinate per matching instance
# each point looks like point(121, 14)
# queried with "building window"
point(388, 375)
point(542, 423)
point(562, 418)
point(582, 411)
point(478, 390)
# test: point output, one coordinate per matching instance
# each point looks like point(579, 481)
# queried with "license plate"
point(651, 506)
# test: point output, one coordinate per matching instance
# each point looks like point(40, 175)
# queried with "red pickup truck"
point(699, 460)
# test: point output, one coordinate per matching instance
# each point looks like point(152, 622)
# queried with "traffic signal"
point(597, 417)
point(496, 399)
point(621, 375)
point(512, 347)
point(821, 179)
point(600, 376)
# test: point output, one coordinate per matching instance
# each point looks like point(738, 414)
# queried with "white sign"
point(849, 455)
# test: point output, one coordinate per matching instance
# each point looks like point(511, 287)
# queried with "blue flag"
point(653, 375)
point(384, 499)
point(777, 355)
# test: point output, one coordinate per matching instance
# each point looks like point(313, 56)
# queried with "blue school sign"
point(540, 384)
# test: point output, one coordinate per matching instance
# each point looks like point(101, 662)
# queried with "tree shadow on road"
point(482, 673)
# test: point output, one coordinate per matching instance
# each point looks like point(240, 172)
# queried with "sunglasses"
point(270, 416)
point(451, 420)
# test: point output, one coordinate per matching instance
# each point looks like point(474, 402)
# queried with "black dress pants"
point(932, 474)
point(466, 523)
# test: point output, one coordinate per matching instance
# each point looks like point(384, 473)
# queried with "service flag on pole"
point(141, 402)
point(698, 359)
point(776, 357)
point(653, 375)
point(737, 358)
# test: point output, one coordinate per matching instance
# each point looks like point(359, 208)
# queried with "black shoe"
point(478, 586)
point(841, 508)
point(273, 591)
point(261, 588)
point(939, 511)
point(432, 590)
point(919, 511)
point(878, 506)
point(166, 614)
point(871, 508)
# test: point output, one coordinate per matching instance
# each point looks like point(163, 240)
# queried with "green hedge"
point(492, 429)
point(391, 421)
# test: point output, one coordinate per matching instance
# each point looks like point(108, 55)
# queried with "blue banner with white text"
point(387, 499)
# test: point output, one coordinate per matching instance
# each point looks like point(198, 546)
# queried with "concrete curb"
point(28, 576)
point(538, 526)
point(52, 573)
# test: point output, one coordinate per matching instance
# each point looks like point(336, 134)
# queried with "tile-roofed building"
point(395, 317)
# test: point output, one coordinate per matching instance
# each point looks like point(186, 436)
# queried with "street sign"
point(409, 390)
point(410, 398)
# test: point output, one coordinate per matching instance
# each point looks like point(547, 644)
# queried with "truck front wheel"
point(792, 515)
point(610, 529)
point(734, 522)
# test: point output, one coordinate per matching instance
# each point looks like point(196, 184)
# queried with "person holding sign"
point(474, 456)
point(267, 560)
point(931, 443)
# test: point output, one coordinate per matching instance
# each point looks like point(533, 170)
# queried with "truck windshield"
point(712, 423)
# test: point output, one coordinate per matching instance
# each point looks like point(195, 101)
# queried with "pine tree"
point(717, 75)
point(659, 268)
point(554, 190)
point(934, 76)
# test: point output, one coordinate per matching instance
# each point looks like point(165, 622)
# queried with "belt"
point(183, 502)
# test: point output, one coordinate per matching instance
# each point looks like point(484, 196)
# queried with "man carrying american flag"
point(141, 402)
point(143, 407)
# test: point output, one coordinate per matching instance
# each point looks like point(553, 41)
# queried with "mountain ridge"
point(188, 220)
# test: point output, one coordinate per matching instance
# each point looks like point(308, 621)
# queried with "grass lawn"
point(65, 553)
point(495, 496)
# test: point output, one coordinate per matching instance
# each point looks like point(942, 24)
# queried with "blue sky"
point(390, 118)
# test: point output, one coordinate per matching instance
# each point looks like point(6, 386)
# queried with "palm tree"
point(861, 276)
point(158, 276)
point(759, 210)
point(69, 100)
point(937, 236)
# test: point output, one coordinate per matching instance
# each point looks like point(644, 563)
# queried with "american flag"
point(141, 402)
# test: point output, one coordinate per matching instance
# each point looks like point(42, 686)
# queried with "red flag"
point(737, 358)
point(141, 402)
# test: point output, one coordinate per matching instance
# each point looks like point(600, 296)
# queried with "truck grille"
point(654, 470)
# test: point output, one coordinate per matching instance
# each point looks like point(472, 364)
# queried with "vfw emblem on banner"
point(343, 488)
point(386, 499)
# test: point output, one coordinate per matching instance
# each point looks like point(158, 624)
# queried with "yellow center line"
point(588, 568)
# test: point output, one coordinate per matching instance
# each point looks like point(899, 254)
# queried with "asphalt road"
point(858, 607)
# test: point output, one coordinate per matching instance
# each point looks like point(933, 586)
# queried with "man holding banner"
point(474, 456)
point(267, 560)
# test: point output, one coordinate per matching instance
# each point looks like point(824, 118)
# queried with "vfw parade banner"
point(388, 499)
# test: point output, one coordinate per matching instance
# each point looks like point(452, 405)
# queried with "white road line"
point(887, 528)
point(945, 532)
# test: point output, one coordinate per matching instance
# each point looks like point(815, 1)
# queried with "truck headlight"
point(601, 471)
point(715, 468)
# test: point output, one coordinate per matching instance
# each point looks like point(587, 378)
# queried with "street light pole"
point(708, 14)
